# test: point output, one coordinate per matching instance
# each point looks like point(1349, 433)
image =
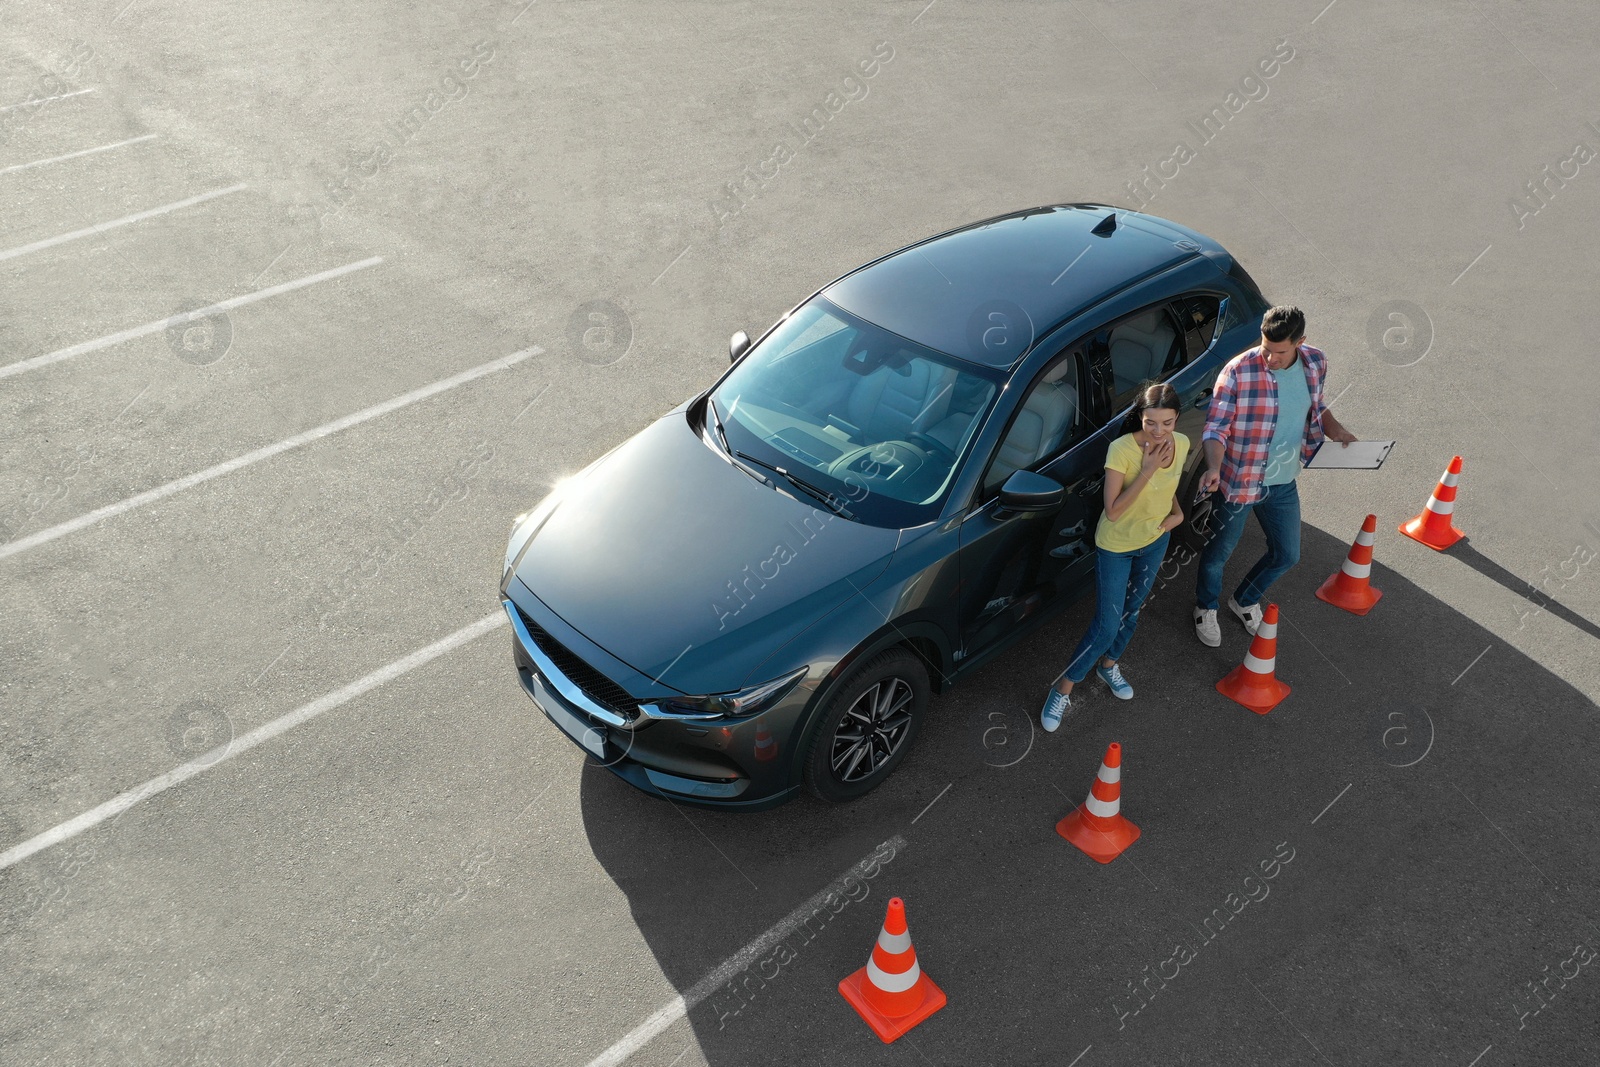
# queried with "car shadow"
point(1439, 860)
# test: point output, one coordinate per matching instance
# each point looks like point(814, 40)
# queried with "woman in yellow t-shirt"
point(1142, 473)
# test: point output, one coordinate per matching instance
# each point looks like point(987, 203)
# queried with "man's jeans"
point(1122, 581)
point(1279, 515)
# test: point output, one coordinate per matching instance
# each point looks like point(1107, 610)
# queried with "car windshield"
point(875, 420)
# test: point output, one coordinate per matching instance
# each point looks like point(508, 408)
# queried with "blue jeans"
point(1278, 512)
point(1122, 580)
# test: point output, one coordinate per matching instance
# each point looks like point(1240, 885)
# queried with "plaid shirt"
point(1244, 412)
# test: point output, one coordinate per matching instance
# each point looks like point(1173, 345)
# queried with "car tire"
point(867, 726)
point(1195, 529)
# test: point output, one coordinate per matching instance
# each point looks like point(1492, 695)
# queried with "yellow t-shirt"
point(1140, 525)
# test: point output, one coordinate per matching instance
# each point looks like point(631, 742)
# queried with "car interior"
point(1042, 426)
point(1143, 346)
point(865, 407)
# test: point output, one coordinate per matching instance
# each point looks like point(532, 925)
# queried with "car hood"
point(686, 568)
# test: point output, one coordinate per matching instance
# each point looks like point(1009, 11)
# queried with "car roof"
point(987, 291)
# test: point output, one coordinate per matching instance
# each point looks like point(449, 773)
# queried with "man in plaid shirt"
point(1267, 418)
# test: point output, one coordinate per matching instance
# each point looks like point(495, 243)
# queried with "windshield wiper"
point(716, 424)
point(816, 492)
point(722, 435)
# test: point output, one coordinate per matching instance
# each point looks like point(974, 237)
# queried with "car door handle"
point(1076, 529)
point(1085, 485)
point(1201, 400)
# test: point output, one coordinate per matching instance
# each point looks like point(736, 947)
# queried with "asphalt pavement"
point(299, 305)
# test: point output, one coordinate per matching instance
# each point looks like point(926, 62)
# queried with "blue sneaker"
point(1056, 705)
point(1112, 676)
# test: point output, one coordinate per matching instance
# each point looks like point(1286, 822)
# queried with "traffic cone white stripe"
point(1357, 570)
point(1102, 808)
point(894, 943)
point(1366, 538)
point(893, 983)
point(1110, 774)
point(1259, 666)
point(1440, 507)
point(1268, 630)
point(1451, 478)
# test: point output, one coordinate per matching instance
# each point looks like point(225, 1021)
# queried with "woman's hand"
point(1156, 456)
point(1173, 520)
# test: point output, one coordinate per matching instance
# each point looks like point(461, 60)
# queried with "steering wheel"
point(902, 459)
point(932, 446)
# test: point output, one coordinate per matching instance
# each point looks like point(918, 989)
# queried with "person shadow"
point(1441, 859)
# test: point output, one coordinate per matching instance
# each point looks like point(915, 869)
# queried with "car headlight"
point(739, 705)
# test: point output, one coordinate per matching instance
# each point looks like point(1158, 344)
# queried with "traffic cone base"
point(887, 1028)
point(1355, 603)
point(1259, 693)
point(1100, 845)
point(1437, 539)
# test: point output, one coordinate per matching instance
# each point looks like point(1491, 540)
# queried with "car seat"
point(1139, 349)
point(890, 404)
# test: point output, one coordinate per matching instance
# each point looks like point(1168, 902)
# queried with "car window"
point(877, 420)
point(1049, 420)
point(1197, 313)
point(1144, 346)
point(1232, 315)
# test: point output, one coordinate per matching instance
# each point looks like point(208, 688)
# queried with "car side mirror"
point(738, 345)
point(1026, 491)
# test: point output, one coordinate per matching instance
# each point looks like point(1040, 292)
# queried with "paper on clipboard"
point(1357, 455)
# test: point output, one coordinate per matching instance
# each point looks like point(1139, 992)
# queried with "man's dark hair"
point(1283, 323)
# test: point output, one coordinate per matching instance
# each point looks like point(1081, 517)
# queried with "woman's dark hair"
point(1150, 395)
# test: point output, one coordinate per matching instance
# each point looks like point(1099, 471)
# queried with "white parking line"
point(126, 220)
point(246, 741)
point(188, 481)
point(75, 155)
point(46, 99)
point(178, 320)
point(681, 1005)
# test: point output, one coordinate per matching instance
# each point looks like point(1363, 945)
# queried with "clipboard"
point(1358, 455)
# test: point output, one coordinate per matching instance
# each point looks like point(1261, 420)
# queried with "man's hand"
point(1334, 430)
point(1210, 480)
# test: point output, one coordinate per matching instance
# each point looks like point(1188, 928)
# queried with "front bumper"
point(747, 764)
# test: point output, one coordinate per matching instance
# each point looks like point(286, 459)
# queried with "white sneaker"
point(1206, 628)
point(1249, 614)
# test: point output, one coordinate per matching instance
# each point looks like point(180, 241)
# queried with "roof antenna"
point(1106, 226)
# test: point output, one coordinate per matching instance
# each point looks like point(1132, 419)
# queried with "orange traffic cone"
point(1097, 826)
point(891, 993)
point(766, 747)
point(1433, 525)
point(1350, 587)
point(1253, 683)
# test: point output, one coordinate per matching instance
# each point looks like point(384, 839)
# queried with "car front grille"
point(596, 686)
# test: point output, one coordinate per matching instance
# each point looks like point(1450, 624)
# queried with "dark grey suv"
point(761, 590)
